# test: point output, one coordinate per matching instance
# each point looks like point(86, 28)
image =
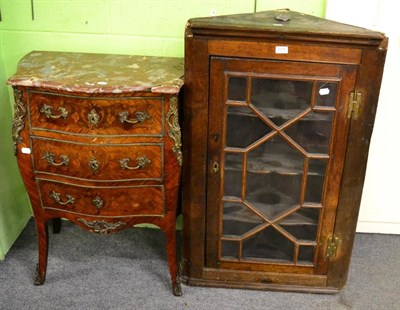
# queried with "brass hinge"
point(331, 247)
point(354, 104)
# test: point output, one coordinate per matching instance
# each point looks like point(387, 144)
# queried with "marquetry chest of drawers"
point(98, 142)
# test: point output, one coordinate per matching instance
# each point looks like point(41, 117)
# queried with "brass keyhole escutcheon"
point(94, 165)
point(93, 117)
point(215, 136)
point(215, 167)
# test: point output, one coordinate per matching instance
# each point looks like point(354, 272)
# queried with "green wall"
point(14, 204)
point(141, 27)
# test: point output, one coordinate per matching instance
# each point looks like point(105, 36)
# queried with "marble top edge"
point(99, 73)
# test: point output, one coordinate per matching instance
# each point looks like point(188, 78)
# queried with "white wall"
point(380, 205)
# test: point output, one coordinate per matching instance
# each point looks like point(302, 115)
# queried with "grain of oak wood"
point(251, 47)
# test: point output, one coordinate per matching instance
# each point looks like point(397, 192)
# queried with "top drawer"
point(99, 116)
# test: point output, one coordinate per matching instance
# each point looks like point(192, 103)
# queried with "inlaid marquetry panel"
point(103, 201)
point(99, 116)
point(98, 162)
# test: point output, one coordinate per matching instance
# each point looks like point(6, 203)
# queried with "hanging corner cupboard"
point(278, 113)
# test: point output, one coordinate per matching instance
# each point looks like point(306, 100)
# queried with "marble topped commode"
point(98, 142)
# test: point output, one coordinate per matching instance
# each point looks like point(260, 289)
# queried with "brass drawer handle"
point(48, 112)
point(97, 202)
point(140, 117)
point(57, 198)
point(94, 165)
point(50, 159)
point(142, 162)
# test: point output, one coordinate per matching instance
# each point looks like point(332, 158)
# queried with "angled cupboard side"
point(278, 112)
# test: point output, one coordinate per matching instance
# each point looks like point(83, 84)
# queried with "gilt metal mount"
point(175, 129)
point(18, 119)
point(101, 227)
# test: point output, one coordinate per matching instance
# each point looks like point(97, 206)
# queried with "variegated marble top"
point(99, 73)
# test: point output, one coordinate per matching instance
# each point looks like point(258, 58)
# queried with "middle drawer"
point(98, 162)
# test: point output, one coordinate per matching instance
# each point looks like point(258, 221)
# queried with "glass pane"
point(326, 94)
point(274, 169)
point(280, 100)
point(302, 224)
point(312, 132)
point(230, 248)
point(274, 176)
point(315, 180)
point(268, 244)
point(244, 127)
point(233, 175)
point(238, 219)
point(302, 232)
point(237, 87)
point(306, 254)
point(273, 193)
point(304, 216)
point(275, 155)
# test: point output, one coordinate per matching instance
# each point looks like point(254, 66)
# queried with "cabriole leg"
point(170, 234)
point(43, 250)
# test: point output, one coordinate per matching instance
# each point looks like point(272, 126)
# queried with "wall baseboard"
point(378, 227)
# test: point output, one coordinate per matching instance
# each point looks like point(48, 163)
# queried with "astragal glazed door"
point(277, 140)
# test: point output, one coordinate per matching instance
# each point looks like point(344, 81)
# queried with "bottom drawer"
point(103, 201)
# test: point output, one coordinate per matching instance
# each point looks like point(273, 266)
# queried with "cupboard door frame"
point(346, 78)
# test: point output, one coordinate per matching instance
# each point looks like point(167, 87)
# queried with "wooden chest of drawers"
point(98, 142)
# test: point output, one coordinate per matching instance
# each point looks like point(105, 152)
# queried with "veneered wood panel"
point(264, 277)
point(297, 52)
point(107, 109)
point(368, 81)
point(336, 163)
point(116, 201)
point(107, 156)
point(274, 267)
point(215, 145)
point(195, 120)
point(261, 67)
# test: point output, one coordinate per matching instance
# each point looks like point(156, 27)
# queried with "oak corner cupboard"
point(98, 142)
point(278, 112)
